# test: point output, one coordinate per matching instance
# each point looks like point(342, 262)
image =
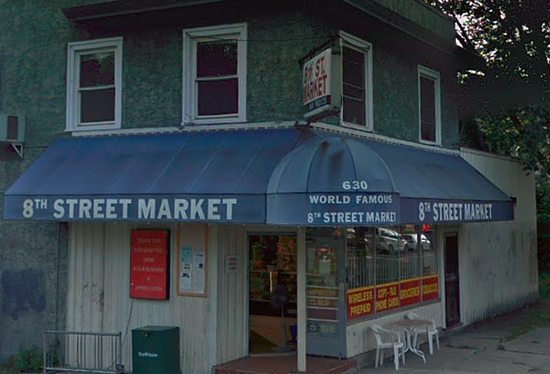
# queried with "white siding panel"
point(99, 284)
point(232, 288)
point(498, 260)
point(85, 293)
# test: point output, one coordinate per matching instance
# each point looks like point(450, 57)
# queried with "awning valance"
point(286, 176)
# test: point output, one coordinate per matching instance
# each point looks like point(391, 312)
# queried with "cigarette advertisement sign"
point(149, 263)
point(430, 287)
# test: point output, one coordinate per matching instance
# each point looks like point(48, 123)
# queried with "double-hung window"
point(94, 82)
point(429, 103)
point(356, 82)
point(214, 74)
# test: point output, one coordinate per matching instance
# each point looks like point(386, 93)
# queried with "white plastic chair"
point(388, 339)
point(431, 331)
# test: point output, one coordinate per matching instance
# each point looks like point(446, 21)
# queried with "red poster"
point(387, 296)
point(360, 302)
point(410, 291)
point(430, 287)
point(149, 264)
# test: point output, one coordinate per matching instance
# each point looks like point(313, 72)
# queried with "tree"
point(512, 38)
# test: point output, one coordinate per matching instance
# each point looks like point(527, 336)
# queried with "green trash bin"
point(156, 350)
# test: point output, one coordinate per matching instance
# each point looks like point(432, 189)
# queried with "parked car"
point(389, 241)
point(386, 241)
point(411, 242)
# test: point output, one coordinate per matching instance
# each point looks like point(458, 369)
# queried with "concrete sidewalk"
point(479, 349)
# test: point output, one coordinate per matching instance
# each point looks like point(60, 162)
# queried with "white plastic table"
point(408, 326)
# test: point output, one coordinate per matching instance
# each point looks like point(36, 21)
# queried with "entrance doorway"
point(272, 295)
point(452, 284)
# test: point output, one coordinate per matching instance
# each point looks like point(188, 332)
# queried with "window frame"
point(424, 72)
point(350, 41)
point(75, 50)
point(189, 100)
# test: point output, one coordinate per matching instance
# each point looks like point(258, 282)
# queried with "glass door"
point(272, 296)
point(452, 285)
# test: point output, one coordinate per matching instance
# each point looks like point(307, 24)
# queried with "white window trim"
point(366, 47)
point(189, 101)
point(73, 79)
point(424, 72)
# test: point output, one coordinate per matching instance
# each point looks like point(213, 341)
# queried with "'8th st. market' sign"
point(321, 91)
point(337, 209)
point(244, 208)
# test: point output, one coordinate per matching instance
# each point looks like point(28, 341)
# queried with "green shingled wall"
point(33, 44)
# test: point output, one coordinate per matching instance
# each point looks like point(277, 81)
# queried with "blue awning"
point(217, 176)
point(335, 179)
point(292, 176)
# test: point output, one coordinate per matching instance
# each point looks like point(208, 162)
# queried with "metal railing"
point(82, 352)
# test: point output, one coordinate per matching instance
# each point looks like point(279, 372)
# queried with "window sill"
point(353, 126)
point(430, 143)
point(214, 121)
point(93, 128)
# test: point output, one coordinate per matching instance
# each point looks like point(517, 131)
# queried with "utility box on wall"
point(156, 350)
point(12, 128)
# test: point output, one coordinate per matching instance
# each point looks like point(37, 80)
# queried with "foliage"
point(512, 36)
point(509, 85)
point(29, 360)
point(544, 284)
point(532, 316)
point(26, 360)
point(523, 133)
point(8, 366)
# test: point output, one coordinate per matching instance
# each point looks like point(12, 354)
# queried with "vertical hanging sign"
point(149, 264)
point(320, 91)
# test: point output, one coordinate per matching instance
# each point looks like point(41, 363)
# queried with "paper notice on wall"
point(186, 264)
point(198, 272)
point(192, 271)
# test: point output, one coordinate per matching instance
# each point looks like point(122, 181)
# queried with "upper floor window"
point(214, 74)
point(356, 81)
point(430, 105)
point(94, 82)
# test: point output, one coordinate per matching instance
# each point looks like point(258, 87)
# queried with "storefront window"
point(389, 268)
point(323, 246)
